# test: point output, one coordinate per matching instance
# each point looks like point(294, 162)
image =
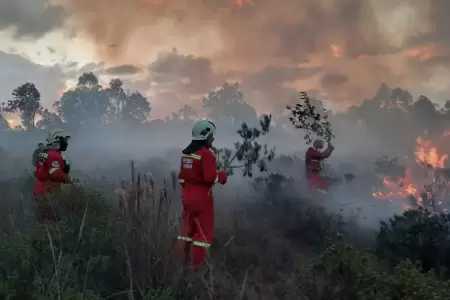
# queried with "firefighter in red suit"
point(51, 171)
point(198, 174)
point(313, 160)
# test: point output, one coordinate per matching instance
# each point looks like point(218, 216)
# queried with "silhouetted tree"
point(137, 108)
point(27, 102)
point(228, 103)
point(118, 99)
point(49, 120)
point(187, 112)
point(124, 106)
point(87, 103)
point(3, 122)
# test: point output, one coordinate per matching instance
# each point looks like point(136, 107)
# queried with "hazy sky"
point(175, 51)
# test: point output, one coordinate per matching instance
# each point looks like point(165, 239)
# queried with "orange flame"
point(427, 153)
point(422, 53)
point(336, 51)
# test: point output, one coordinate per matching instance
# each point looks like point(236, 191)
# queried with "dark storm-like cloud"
point(17, 70)
point(334, 80)
point(30, 18)
point(123, 70)
point(265, 45)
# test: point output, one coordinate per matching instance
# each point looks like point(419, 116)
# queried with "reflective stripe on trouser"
point(197, 234)
point(195, 243)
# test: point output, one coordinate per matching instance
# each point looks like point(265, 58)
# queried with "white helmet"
point(202, 130)
point(57, 138)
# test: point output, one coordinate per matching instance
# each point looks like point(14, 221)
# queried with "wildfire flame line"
point(429, 159)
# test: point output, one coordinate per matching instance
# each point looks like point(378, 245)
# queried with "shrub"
point(343, 272)
point(262, 250)
point(82, 250)
point(418, 235)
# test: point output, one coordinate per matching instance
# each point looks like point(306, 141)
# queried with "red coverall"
point(49, 176)
point(313, 161)
point(197, 177)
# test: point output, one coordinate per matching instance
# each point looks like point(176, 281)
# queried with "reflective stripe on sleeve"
point(194, 156)
point(53, 170)
point(217, 179)
point(181, 181)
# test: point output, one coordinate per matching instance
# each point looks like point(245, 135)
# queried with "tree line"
point(91, 103)
point(392, 111)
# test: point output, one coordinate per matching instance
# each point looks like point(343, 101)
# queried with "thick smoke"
point(177, 51)
point(355, 42)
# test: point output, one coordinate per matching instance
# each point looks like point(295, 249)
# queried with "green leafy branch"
point(305, 116)
point(247, 152)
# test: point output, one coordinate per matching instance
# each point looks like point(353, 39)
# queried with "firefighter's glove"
point(223, 177)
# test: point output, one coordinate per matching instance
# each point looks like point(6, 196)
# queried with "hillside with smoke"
point(390, 159)
point(110, 127)
point(331, 144)
point(174, 52)
point(294, 50)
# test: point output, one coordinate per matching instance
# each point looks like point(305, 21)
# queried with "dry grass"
point(258, 250)
point(254, 254)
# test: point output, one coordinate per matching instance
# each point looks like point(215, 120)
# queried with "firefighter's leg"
point(45, 213)
point(321, 184)
point(203, 234)
point(185, 237)
point(310, 181)
point(317, 183)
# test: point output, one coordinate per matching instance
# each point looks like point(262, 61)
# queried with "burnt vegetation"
point(116, 240)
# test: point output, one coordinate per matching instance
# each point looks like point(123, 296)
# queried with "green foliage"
point(228, 103)
point(248, 151)
point(187, 112)
point(84, 104)
point(307, 116)
point(273, 184)
point(82, 251)
point(90, 102)
point(27, 101)
point(125, 106)
point(343, 272)
point(49, 120)
point(418, 235)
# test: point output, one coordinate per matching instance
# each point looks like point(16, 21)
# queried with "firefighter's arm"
point(180, 174)
point(327, 152)
point(55, 165)
point(210, 173)
point(321, 155)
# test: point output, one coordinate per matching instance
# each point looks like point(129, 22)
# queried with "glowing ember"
point(240, 3)
point(422, 53)
point(12, 123)
point(336, 51)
